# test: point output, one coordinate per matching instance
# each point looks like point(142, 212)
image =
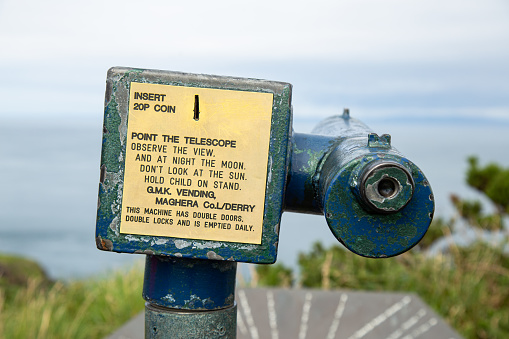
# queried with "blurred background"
point(433, 74)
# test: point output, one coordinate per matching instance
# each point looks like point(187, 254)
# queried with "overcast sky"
point(426, 59)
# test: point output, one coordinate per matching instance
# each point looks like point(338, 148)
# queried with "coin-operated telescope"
point(196, 171)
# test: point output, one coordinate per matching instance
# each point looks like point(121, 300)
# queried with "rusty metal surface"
point(176, 324)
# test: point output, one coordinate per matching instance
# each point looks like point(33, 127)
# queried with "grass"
point(39, 308)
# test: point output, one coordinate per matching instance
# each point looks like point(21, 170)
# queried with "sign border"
point(116, 115)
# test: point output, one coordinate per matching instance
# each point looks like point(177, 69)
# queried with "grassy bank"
point(32, 306)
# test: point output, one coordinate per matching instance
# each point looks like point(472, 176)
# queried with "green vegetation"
point(274, 275)
point(467, 286)
point(32, 306)
point(491, 180)
point(15, 273)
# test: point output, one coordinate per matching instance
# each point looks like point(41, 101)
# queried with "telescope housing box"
point(193, 165)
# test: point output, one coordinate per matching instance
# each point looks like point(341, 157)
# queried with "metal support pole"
point(189, 298)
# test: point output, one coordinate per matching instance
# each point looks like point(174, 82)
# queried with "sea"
point(49, 175)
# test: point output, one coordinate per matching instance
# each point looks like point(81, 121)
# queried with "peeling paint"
point(130, 237)
point(197, 303)
point(190, 284)
point(358, 229)
point(222, 267)
point(213, 255)
point(230, 299)
point(148, 252)
point(180, 243)
point(269, 170)
point(169, 298)
point(207, 244)
point(115, 225)
point(103, 174)
point(246, 247)
point(159, 241)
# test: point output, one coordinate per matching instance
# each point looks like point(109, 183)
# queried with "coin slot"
point(196, 107)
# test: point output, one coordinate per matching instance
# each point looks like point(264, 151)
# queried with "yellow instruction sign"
point(196, 163)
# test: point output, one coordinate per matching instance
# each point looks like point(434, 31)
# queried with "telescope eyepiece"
point(388, 187)
point(385, 186)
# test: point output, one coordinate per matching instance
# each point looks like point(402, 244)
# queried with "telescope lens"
point(387, 188)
